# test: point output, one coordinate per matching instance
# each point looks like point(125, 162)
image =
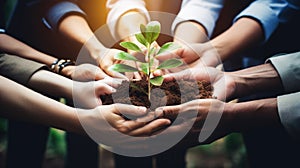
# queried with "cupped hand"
point(87, 94)
point(84, 72)
point(192, 53)
point(106, 125)
point(106, 59)
point(223, 83)
point(211, 123)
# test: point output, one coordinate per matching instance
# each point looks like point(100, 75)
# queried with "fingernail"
point(141, 108)
point(159, 111)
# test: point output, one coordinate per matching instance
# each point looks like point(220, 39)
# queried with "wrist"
point(199, 34)
point(209, 55)
point(62, 66)
point(94, 47)
point(256, 114)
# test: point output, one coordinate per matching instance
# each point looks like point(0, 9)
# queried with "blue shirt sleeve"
point(58, 11)
point(270, 13)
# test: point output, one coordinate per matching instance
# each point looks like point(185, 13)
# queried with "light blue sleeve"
point(205, 12)
point(289, 113)
point(288, 68)
point(270, 13)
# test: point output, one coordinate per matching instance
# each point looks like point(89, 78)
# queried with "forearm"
point(182, 33)
point(254, 114)
point(76, 28)
point(18, 102)
point(243, 35)
point(129, 24)
point(15, 47)
point(51, 84)
point(257, 79)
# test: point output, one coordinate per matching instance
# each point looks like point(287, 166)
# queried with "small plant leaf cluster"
point(147, 37)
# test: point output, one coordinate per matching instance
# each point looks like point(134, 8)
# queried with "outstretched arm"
point(20, 103)
point(13, 46)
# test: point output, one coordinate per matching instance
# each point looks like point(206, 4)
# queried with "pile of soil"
point(169, 93)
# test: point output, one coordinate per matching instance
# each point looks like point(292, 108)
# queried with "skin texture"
point(24, 104)
point(225, 45)
point(235, 117)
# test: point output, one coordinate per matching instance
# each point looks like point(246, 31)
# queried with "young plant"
point(147, 37)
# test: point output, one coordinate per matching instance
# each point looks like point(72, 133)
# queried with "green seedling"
point(147, 37)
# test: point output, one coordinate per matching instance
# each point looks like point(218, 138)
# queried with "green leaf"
point(140, 38)
point(168, 47)
point(151, 31)
point(122, 68)
point(130, 46)
point(171, 63)
point(125, 56)
point(143, 29)
point(145, 68)
point(157, 81)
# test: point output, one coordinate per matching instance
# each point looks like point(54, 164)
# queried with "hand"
point(211, 123)
point(223, 83)
point(87, 94)
point(106, 125)
point(84, 72)
point(192, 53)
point(105, 59)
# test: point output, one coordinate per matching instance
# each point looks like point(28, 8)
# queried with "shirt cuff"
point(118, 8)
point(288, 68)
point(2, 30)
point(18, 69)
point(58, 11)
point(205, 13)
point(289, 113)
point(262, 13)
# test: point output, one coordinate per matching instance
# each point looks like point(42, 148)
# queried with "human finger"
point(150, 128)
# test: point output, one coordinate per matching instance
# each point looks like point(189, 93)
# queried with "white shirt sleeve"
point(289, 113)
point(118, 7)
point(288, 68)
point(269, 13)
point(205, 12)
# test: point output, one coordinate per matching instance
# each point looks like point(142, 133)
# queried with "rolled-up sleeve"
point(118, 7)
point(269, 13)
point(205, 12)
point(58, 11)
point(288, 68)
point(18, 69)
point(289, 113)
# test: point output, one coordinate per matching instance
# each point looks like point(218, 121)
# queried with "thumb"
point(185, 74)
point(168, 55)
point(102, 88)
point(169, 112)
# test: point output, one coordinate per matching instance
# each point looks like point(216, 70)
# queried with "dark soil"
point(169, 93)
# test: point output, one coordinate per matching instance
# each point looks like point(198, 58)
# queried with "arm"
point(125, 16)
point(257, 22)
point(69, 20)
point(197, 16)
point(17, 102)
point(21, 103)
point(33, 74)
point(13, 46)
point(84, 94)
